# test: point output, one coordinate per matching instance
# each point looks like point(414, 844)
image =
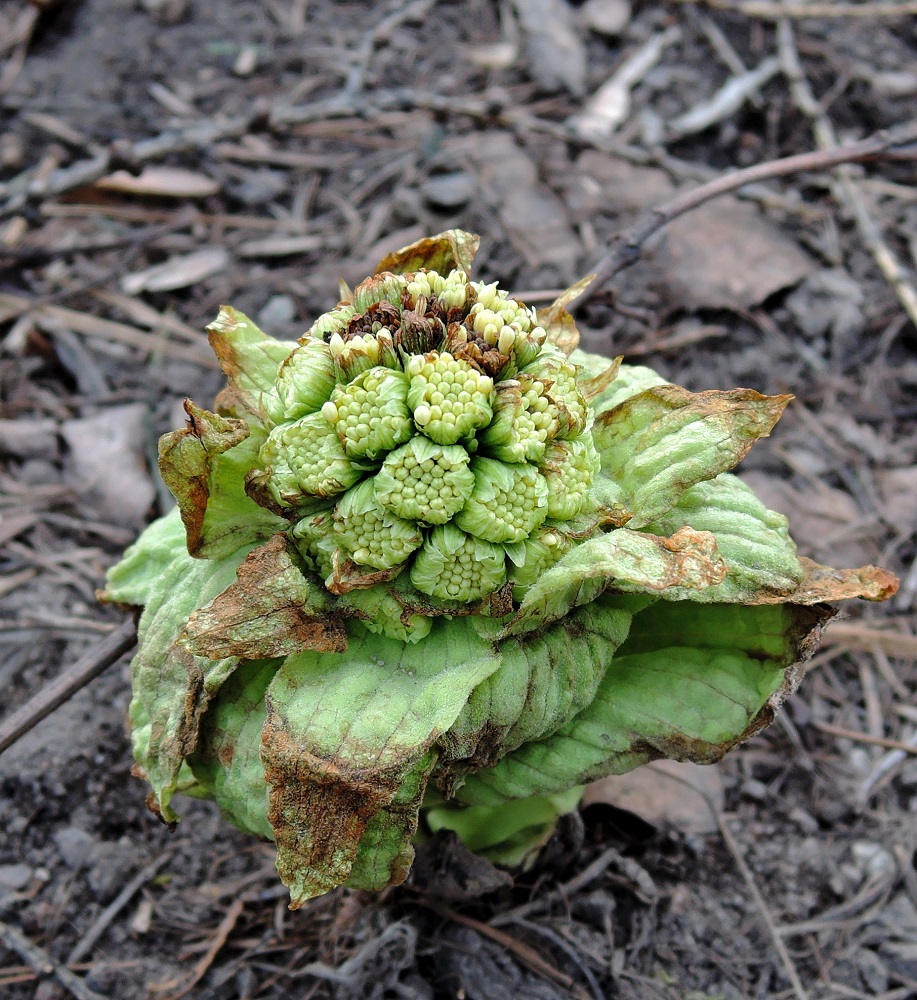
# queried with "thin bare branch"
point(627, 246)
point(53, 695)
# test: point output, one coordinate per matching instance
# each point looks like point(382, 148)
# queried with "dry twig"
point(53, 695)
point(43, 964)
point(525, 953)
point(879, 741)
point(772, 930)
point(227, 924)
point(88, 941)
point(627, 247)
point(774, 11)
point(848, 189)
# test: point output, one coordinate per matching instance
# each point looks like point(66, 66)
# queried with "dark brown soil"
point(324, 135)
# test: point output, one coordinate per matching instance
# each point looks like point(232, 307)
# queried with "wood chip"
point(160, 182)
point(178, 272)
point(280, 246)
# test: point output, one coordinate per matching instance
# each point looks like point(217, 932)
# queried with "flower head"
point(427, 548)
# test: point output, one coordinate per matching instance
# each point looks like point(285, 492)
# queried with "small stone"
point(804, 820)
point(754, 789)
point(449, 190)
point(113, 865)
point(606, 17)
point(15, 876)
point(39, 472)
point(277, 313)
point(75, 846)
point(49, 990)
point(907, 776)
point(872, 858)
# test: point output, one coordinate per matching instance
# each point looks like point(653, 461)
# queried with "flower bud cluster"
point(426, 426)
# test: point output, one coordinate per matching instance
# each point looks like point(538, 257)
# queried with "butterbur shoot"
point(433, 562)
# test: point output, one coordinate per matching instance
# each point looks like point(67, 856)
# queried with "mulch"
point(160, 158)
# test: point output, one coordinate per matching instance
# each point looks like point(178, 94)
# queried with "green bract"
point(435, 557)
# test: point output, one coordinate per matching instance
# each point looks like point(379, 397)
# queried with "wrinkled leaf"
point(662, 441)
point(249, 360)
point(385, 852)
point(443, 253)
point(825, 583)
point(627, 560)
point(719, 682)
point(227, 760)
point(344, 730)
point(204, 465)
point(543, 681)
point(133, 577)
point(171, 688)
point(271, 609)
point(753, 541)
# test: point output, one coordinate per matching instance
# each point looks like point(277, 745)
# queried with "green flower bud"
point(451, 291)
point(453, 566)
point(331, 322)
point(425, 481)
point(569, 467)
point(419, 286)
point(538, 554)
point(305, 459)
point(358, 354)
point(524, 421)
point(315, 542)
point(382, 287)
point(449, 398)
point(381, 612)
point(371, 414)
point(304, 381)
point(508, 502)
point(559, 377)
point(370, 534)
point(528, 346)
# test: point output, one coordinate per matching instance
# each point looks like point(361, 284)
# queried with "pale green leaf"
point(171, 688)
point(630, 380)
point(204, 465)
point(630, 561)
point(249, 359)
point(131, 579)
point(227, 759)
point(344, 730)
point(543, 681)
point(656, 444)
point(385, 852)
point(754, 542)
point(718, 682)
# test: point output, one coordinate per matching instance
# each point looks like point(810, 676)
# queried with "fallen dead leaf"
point(533, 216)
point(106, 466)
point(898, 488)
point(724, 254)
point(665, 793)
point(555, 52)
point(606, 17)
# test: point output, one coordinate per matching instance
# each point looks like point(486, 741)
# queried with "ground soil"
point(324, 135)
